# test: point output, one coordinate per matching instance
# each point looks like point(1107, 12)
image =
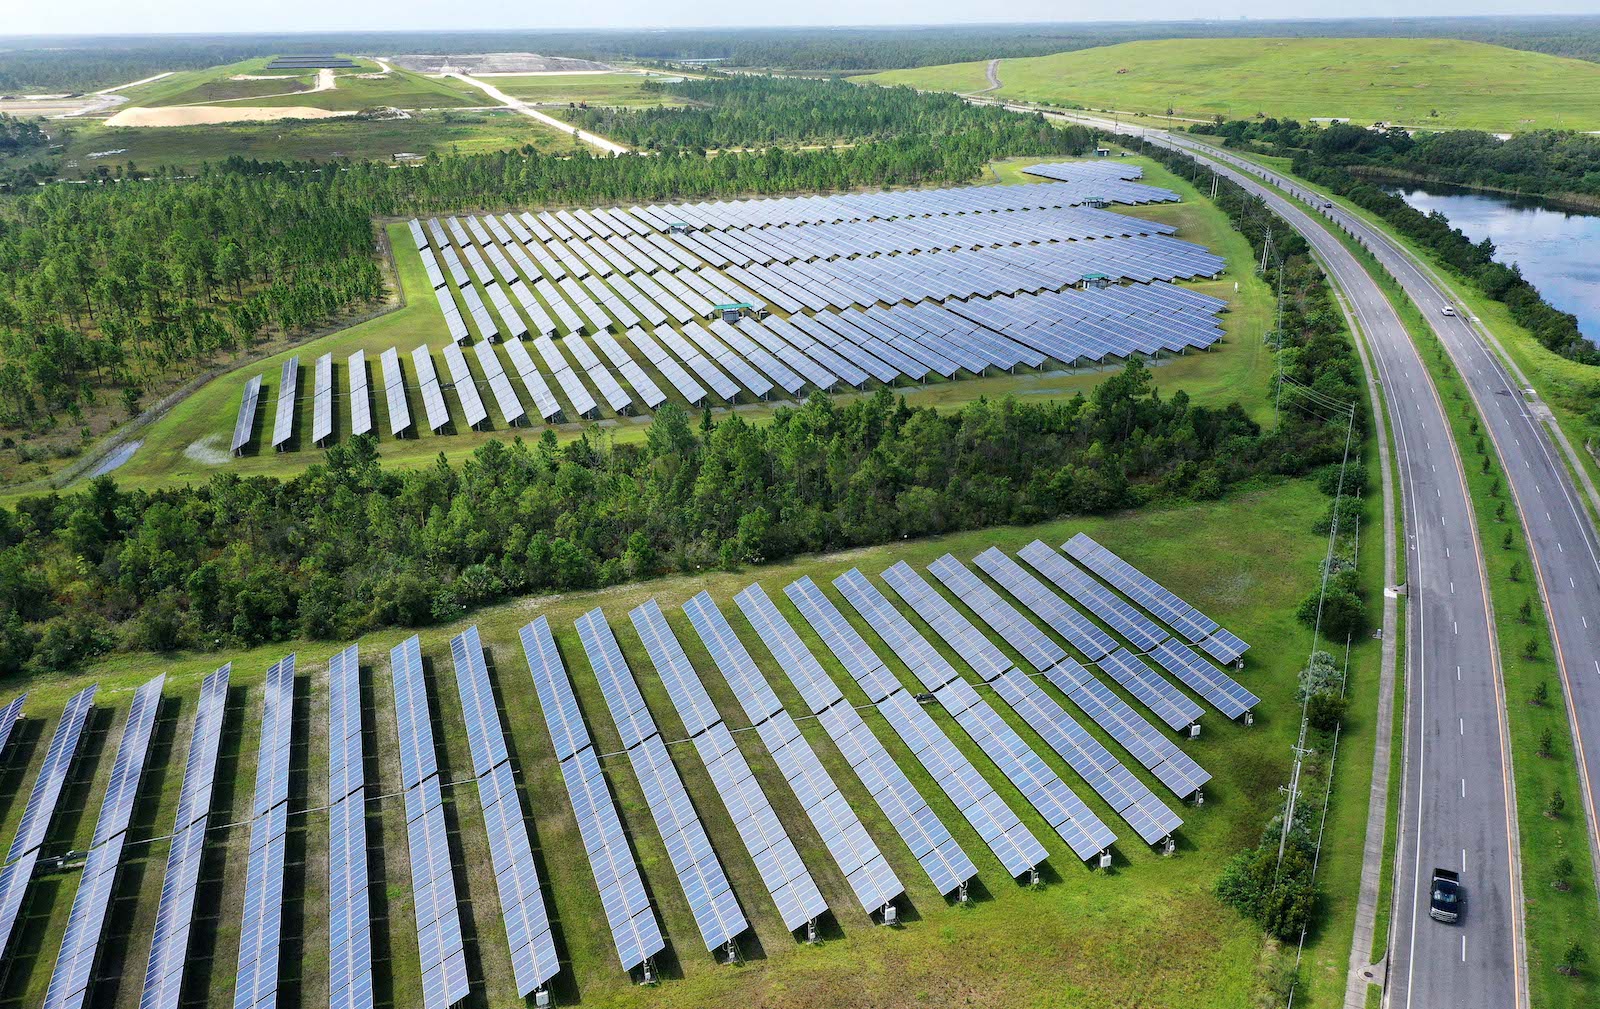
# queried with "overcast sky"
point(160, 16)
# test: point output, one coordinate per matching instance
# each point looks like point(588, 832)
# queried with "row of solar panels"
point(824, 351)
point(830, 241)
point(799, 210)
point(647, 222)
point(624, 899)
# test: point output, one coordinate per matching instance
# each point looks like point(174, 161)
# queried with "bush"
point(1325, 711)
point(1280, 900)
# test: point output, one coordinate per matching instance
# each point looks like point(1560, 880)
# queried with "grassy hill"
point(1435, 83)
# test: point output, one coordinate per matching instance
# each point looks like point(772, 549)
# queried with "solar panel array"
point(466, 388)
point(322, 401)
point(169, 946)
point(1195, 626)
point(244, 428)
point(261, 929)
point(1010, 840)
point(505, 397)
point(10, 715)
point(852, 848)
point(987, 272)
point(80, 945)
point(1215, 686)
point(1121, 790)
point(705, 884)
point(428, 385)
point(788, 881)
point(442, 955)
point(634, 930)
point(1160, 755)
point(533, 950)
point(1078, 825)
point(394, 393)
point(360, 394)
point(288, 387)
point(940, 856)
point(40, 809)
point(349, 925)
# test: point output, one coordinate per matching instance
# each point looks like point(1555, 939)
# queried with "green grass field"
point(1428, 83)
point(470, 131)
point(1148, 932)
point(190, 443)
point(215, 86)
point(595, 89)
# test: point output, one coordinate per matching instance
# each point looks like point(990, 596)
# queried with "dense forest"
point(1346, 159)
point(18, 136)
point(752, 111)
point(112, 286)
point(81, 63)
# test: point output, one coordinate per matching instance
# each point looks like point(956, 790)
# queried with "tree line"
point(1346, 159)
point(755, 111)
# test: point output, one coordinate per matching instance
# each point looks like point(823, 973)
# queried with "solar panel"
point(442, 956)
point(852, 848)
point(1187, 620)
point(913, 649)
point(1104, 773)
point(466, 387)
point(1010, 840)
point(627, 907)
point(1218, 688)
point(244, 428)
point(1053, 798)
point(71, 978)
point(36, 815)
point(533, 952)
point(428, 385)
point(1128, 728)
point(705, 884)
point(288, 385)
point(1093, 596)
point(360, 394)
point(10, 715)
point(261, 925)
point(169, 945)
point(1166, 701)
point(322, 401)
point(349, 924)
point(1084, 634)
point(394, 393)
point(792, 889)
point(930, 842)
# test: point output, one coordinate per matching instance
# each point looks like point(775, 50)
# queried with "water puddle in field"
point(212, 450)
point(116, 458)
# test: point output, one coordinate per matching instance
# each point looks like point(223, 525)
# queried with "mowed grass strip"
point(1147, 932)
point(591, 89)
point(1438, 84)
point(190, 443)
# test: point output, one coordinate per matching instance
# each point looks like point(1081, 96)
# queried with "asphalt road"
point(1457, 804)
point(1561, 537)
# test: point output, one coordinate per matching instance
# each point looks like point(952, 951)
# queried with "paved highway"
point(1457, 804)
point(1561, 537)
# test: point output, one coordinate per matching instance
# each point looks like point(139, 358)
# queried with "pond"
point(1558, 250)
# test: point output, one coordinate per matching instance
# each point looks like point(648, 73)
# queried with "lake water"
point(1558, 250)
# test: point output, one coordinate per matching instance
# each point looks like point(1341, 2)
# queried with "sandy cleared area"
point(209, 115)
point(517, 105)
